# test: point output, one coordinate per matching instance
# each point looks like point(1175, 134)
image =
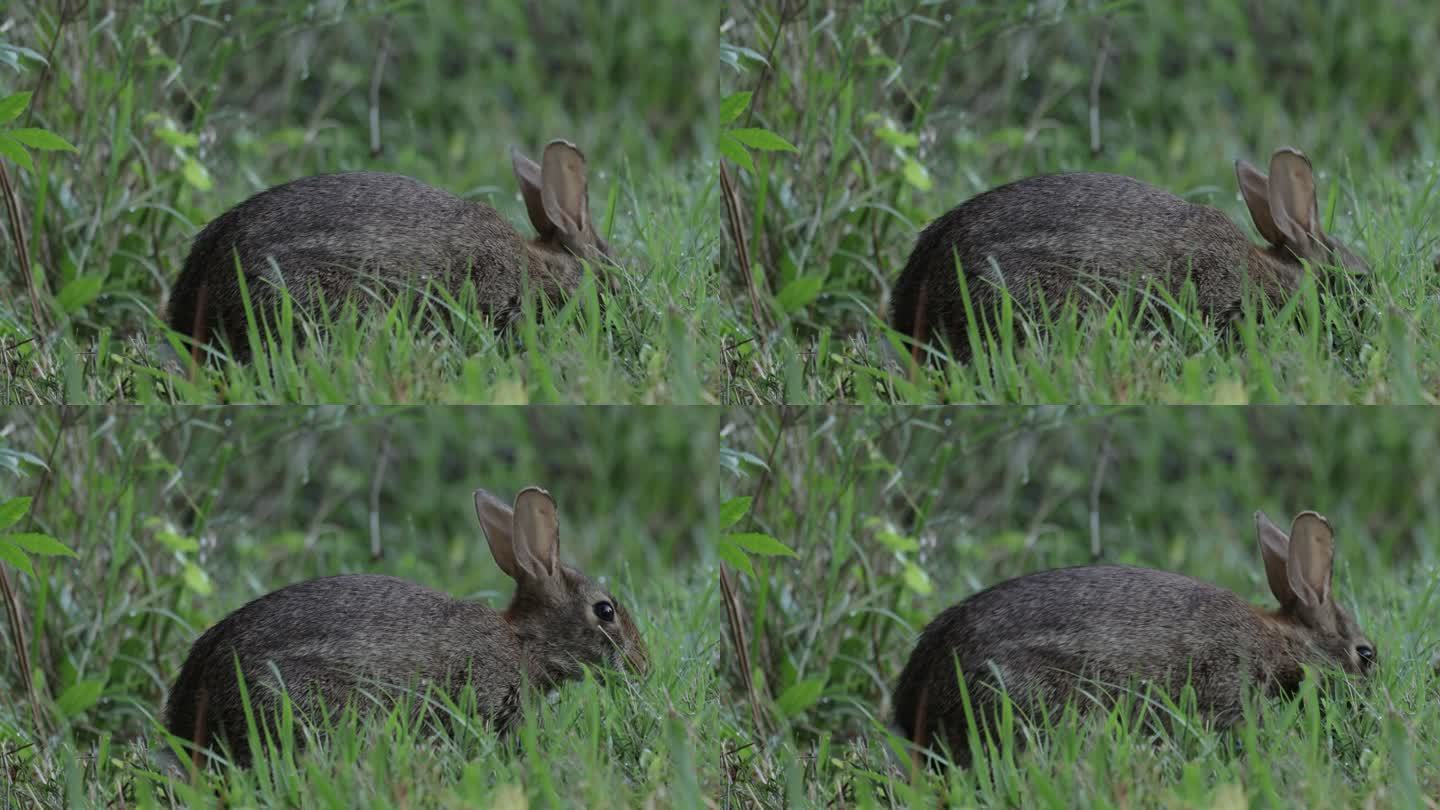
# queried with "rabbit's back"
point(1051, 235)
point(332, 233)
point(1039, 635)
point(329, 640)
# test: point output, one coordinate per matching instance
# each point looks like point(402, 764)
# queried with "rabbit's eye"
point(1366, 653)
point(604, 611)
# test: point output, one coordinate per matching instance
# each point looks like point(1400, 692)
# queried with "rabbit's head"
point(558, 201)
point(1284, 210)
point(1298, 567)
point(564, 619)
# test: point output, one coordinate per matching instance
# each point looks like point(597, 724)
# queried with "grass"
point(224, 100)
point(894, 514)
point(900, 111)
point(179, 516)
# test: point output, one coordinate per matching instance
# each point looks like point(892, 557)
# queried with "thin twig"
point(741, 645)
point(1096, 78)
point(1096, 483)
point(377, 551)
point(376, 74)
point(22, 252)
point(733, 217)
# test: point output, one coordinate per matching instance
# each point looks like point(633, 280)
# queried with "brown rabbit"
point(1048, 637)
point(340, 639)
point(1050, 237)
point(343, 235)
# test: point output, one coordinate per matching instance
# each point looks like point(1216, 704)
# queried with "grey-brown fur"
point(1052, 635)
point(1088, 235)
point(342, 639)
point(352, 234)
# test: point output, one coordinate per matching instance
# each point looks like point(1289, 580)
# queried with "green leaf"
point(196, 174)
point(41, 139)
point(732, 510)
point(80, 697)
point(762, 139)
point(917, 175)
point(80, 293)
point(799, 293)
point(762, 544)
point(732, 105)
point(177, 542)
point(917, 580)
point(12, 510)
point(11, 148)
point(731, 553)
point(36, 543)
point(800, 696)
point(197, 580)
point(15, 557)
point(11, 106)
point(735, 152)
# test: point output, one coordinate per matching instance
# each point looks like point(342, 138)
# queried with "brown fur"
point(349, 234)
point(339, 640)
point(1090, 235)
point(1045, 637)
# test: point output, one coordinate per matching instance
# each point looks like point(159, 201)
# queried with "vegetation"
point(179, 109)
point(178, 516)
point(900, 110)
point(895, 514)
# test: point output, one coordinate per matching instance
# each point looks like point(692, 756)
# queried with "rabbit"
point(336, 639)
point(341, 234)
point(1048, 637)
point(1045, 238)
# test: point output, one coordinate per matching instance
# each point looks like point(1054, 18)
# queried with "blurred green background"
point(179, 516)
point(897, 513)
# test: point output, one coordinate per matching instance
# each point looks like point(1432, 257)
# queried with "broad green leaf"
point(762, 139)
point(917, 175)
point(800, 293)
point(80, 697)
point(196, 174)
point(733, 105)
point(11, 106)
point(36, 543)
point(732, 554)
point(800, 696)
point(177, 542)
point(917, 580)
point(197, 580)
point(41, 139)
point(762, 544)
point(80, 292)
point(735, 151)
point(15, 557)
point(12, 510)
point(11, 148)
point(732, 510)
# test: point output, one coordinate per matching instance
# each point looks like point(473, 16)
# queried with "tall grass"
point(180, 109)
point(902, 110)
point(895, 514)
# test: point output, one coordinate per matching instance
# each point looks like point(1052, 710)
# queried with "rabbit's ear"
point(1274, 548)
point(1312, 557)
point(527, 173)
point(562, 173)
point(537, 533)
point(1293, 205)
point(1255, 188)
point(496, 521)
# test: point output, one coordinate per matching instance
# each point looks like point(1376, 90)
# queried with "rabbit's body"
point(1088, 236)
point(1093, 631)
point(364, 640)
point(338, 639)
point(362, 236)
